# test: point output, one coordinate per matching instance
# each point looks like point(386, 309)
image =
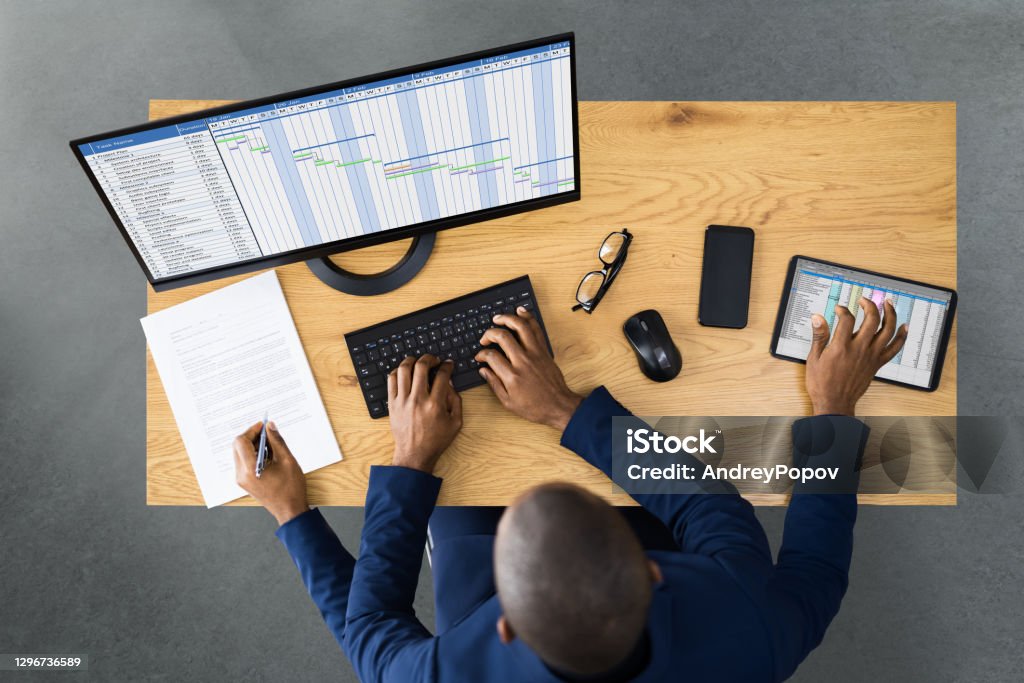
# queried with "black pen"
point(261, 453)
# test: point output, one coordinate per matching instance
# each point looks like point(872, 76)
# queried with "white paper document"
point(227, 358)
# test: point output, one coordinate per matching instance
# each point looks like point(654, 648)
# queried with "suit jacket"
point(724, 611)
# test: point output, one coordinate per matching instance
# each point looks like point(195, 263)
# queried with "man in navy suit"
point(565, 587)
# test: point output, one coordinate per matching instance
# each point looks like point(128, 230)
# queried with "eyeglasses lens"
point(611, 247)
point(589, 287)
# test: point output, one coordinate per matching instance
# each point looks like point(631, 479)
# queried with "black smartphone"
point(725, 276)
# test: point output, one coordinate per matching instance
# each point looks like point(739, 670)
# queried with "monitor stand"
point(385, 281)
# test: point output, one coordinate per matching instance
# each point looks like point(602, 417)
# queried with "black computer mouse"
point(657, 354)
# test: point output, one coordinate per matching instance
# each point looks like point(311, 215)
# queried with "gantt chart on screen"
point(349, 162)
point(819, 288)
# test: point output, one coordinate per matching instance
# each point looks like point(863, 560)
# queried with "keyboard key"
point(377, 409)
point(377, 394)
point(373, 381)
point(359, 359)
point(366, 370)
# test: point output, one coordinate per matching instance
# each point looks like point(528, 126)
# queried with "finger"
point(245, 467)
point(277, 444)
point(243, 449)
point(531, 322)
point(869, 326)
point(454, 404)
point(392, 385)
point(421, 374)
point(253, 432)
point(497, 362)
point(507, 341)
point(819, 336)
point(888, 328)
point(240, 456)
point(495, 383)
point(895, 346)
point(844, 325)
point(442, 380)
point(403, 376)
point(521, 326)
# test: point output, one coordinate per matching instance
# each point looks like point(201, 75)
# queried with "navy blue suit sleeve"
point(383, 638)
point(812, 572)
point(324, 564)
point(720, 525)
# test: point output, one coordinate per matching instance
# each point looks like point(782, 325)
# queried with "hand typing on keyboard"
point(425, 416)
point(522, 374)
point(450, 330)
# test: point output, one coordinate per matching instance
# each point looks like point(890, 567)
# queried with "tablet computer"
point(816, 286)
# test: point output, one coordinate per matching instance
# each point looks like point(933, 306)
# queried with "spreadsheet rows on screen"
point(265, 181)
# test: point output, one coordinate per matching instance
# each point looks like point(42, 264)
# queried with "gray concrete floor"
point(176, 594)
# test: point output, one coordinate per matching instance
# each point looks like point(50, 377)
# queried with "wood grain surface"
point(870, 184)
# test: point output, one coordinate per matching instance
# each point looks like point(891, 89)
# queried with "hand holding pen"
point(281, 489)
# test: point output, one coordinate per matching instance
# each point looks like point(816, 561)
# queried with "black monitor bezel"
point(360, 241)
point(947, 328)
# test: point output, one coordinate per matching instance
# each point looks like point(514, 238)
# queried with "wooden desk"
point(863, 183)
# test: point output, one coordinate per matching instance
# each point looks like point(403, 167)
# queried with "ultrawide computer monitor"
point(337, 167)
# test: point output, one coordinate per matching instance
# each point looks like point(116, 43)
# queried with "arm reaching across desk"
point(801, 593)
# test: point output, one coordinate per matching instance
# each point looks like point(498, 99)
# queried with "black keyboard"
point(447, 330)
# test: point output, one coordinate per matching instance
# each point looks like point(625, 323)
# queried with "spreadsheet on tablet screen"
point(820, 288)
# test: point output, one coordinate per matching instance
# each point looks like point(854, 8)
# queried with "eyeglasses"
point(595, 283)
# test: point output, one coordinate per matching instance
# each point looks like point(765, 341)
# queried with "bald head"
point(572, 578)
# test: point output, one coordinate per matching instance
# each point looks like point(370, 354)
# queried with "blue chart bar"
point(444, 151)
point(334, 142)
point(538, 163)
point(239, 130)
